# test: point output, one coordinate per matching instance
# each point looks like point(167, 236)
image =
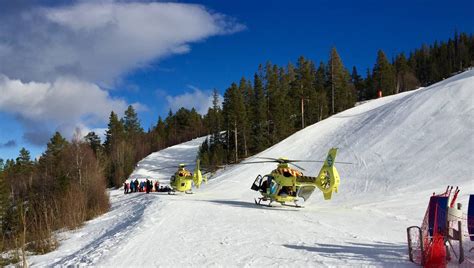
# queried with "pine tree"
point(259, 119)
point(3, 193)
point(51, 162)
point(216, 153)
point(234, 119)
point(321, 102)
point(405, 78)
point(244, 88)
point(115, 133)
point(131, 122)
point(303, 90)
point(358, 84)
point(384, 75)
point(24, 159)
point(341, 91)
point(24, 165)
point(116, 148)
point(159, 135)
point(94, 141)
point(55, 146)
point(275, 109)
point(215, 119)
point(249, 100)
point(203, 153)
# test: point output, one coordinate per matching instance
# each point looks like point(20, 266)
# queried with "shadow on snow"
point(252, 205)
point(385, 254)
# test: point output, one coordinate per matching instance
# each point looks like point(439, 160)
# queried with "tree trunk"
point(302, 112)
point(245, 144)
point(235, 140)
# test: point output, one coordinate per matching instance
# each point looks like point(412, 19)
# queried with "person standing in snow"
point(125, 187)
point(157, 186)
point(147, 186)
point(136, 185)
point(132, 186)
point(142, 186)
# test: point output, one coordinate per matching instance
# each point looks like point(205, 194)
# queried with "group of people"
point(140, 186)
point(147, 186)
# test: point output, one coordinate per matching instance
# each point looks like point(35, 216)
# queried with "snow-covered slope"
point(151, 167)
point(403, 147)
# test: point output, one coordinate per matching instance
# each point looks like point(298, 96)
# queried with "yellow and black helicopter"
point(183, 180)
point(287, 185)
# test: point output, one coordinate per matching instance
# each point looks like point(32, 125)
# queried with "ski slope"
point(404, 148)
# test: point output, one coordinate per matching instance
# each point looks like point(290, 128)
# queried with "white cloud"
point(56, 60)
point(198, 99)
point(64, 103)
point(100, 41)
point(140, 107)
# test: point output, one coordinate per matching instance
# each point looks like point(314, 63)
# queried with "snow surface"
point(404, 148)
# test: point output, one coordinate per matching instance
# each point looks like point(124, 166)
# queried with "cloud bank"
point(62, 105)
point(100, 41)
point(8, 144)
point(201, 100)
point(58, 61)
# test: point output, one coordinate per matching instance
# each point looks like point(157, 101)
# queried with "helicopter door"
point(257, 183)
point(305, 191)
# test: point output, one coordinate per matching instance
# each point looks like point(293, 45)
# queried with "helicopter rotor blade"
point(298, 166)
point(162, 168)
point(258, 162)
point(303, 161)
point(270, 158)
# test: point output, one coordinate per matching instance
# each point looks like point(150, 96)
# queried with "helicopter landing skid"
point(294, 206)
point(259, 202)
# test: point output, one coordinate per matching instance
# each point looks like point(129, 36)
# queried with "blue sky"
point(83, 70)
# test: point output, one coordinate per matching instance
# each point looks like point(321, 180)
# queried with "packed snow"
point(404, 148)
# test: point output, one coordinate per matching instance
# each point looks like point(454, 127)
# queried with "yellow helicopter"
point(287, 185)
point(182, 180)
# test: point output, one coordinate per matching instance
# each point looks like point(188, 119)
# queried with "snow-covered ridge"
point(404, 147)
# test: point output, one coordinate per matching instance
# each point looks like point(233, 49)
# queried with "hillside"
point(403, 147)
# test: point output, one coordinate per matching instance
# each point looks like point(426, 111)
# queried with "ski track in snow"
point(404, 147)
point(113, 236)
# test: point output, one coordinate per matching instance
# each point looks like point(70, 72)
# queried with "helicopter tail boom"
point(197, 176)
point(328, 179)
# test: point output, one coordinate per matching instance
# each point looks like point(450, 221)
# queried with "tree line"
point(67, 184)
point(61, 189)
point(280, 100)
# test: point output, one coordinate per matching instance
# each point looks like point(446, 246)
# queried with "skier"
point(157, 186)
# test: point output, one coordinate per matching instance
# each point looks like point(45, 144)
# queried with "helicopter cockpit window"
point(272, 184)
